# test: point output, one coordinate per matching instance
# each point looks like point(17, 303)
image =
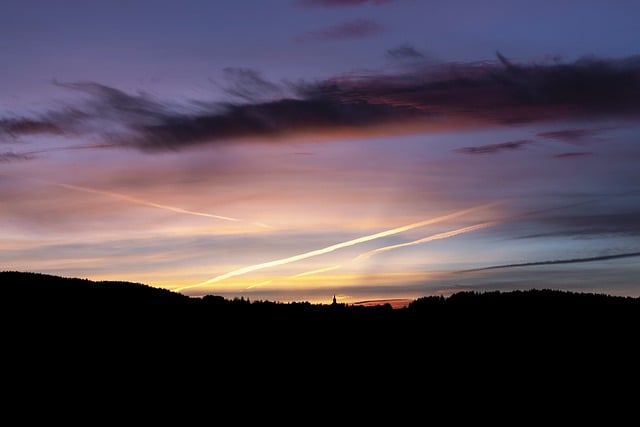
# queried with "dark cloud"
point(489, 93)
point(495, 148)
point(249, 85)
point(404, 51)
point(559, 261)
point(589, 225)
point(13, 157)
point(340, 3)
point(109, 104)
point(13, 127)
point(572, 136)
point(347, 30)
point(573, 155)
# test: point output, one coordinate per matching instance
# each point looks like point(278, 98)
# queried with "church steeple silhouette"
point(334, 300)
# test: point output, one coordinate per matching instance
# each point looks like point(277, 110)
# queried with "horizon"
point(55, 283)
point(375, 150)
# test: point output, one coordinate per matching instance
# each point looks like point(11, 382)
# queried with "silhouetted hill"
point(528, 298)
point(108, 303)
point(44, 289)
point(37, 288)
point(117, 327)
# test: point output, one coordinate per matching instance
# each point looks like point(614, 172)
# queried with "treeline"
point(44, 314)
point(38, 288)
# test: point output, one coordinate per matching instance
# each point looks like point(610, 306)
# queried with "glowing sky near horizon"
point(313, 148)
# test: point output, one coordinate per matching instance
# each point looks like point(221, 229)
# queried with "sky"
point(293, 150)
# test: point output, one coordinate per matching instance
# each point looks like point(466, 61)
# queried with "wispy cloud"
point(340, 3)
point(495, 148)
point(248, 85)
point(357, 28)
point(584, 224)
point(14, 127)
point(559, 261)
point(489, 93)
point(572, 136)
point(404, 51)
point(13, 157)
point(572, 155)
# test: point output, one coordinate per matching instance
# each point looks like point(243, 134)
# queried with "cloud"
point(495, 148)
point(404, 51)
point(340, 3)
point(13, 127)
point(423, 97)
point(572, 136)
point(248, 85)
point(573, 155)
point(559, 261)
point(13, 157)
point(587, 225)
point(355, 29)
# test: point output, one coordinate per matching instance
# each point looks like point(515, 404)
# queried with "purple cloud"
point(13, 127)
point(495, 148)
point(481, 94)
point(572, 136)
point(347, 30)
point(572, 155)
point(404, 51)
point(13, 157)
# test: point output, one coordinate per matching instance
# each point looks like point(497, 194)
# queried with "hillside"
point(48, 313)
point(27, 287)
point(38, 288)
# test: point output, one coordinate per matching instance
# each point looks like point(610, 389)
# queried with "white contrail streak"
point(144, 202)
point(438, 236)
point(255, 285)
point(141, 201)
point(400, 245)
point(332, 248)
point(317, 271)
point(295, 276)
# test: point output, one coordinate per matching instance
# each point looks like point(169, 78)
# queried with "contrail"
point(317, 271)
point(427, 239)
point(388, 248)
point(332, 248)
point(295, 276)
point(559, 261)
point(144, 202)
point(255, 285)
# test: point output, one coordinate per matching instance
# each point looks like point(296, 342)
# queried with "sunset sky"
point(291, 150)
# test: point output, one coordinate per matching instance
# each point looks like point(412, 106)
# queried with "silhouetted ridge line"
point(519, 298)
point(41, 288)
point(28, 287)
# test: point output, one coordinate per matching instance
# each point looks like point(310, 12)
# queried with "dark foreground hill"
point(122, 333)
point(58, 297)
point(42, 290)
